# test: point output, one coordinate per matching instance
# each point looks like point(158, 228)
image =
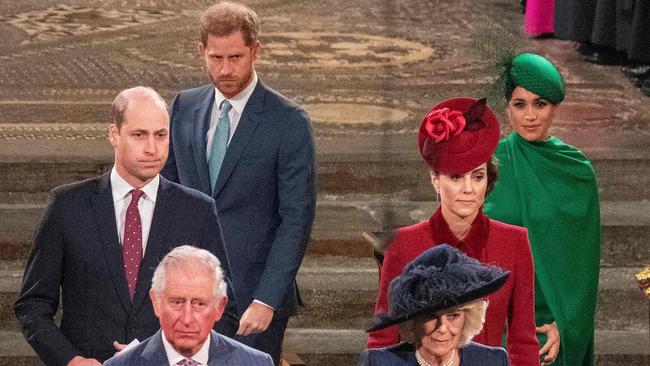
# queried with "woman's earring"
point(437, 198)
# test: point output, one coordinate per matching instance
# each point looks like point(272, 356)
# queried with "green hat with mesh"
point(537, 74)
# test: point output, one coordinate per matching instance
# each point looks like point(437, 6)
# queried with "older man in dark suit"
point(189, 295)
point(101, 239)
point(251, 149)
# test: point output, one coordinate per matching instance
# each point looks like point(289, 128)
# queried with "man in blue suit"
point(189, 295)
point(252, 150)
point(100, 240)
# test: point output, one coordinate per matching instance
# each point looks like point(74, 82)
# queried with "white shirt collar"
point(121, 188)
point(239, 101)
point(174, 357)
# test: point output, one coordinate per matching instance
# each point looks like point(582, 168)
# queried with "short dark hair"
point(226, 18)
point(492, 173)
point(121, 102)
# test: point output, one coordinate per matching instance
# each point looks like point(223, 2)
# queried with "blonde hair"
point(411, 330)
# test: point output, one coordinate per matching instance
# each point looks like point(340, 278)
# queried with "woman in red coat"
point(457, 139)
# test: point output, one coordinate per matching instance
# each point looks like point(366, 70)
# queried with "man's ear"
point(220, 308)
point(113, 133)
point(201, 48)
point(155, 301)
point(255, 49)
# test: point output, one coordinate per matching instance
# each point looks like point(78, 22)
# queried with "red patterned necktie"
point(132, 241)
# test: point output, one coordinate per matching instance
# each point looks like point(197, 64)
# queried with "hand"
point(255, 319)
point(81, 361)
point(552, 346)
point(118, 346)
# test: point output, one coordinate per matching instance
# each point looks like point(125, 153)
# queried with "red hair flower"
point(443, 124)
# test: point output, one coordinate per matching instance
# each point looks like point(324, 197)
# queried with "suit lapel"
point(103, 208)
point(248, 123)
point(219, 350)
point(154, 352)
point(201, 120)
point(162, 218)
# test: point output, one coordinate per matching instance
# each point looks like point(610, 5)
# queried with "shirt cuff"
point(261, 303)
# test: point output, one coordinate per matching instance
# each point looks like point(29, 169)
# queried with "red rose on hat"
point(443, 124)
point(458, 135)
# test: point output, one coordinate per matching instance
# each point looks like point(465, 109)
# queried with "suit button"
point(132, 329)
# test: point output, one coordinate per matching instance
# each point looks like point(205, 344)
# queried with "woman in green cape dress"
point(550, 188)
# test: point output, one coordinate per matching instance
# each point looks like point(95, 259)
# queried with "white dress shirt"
point(122, 198)
point(238, 103)
point(174, 357)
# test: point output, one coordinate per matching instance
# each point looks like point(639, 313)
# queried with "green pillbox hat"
point(538, 75)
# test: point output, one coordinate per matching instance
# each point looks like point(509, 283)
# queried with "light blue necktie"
point(219, 142)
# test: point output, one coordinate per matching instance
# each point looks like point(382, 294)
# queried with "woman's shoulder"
point(412, 233)
point(400, 354)
point(498, 227)
point(478, 354)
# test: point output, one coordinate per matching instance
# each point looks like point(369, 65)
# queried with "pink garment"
point(539, 16)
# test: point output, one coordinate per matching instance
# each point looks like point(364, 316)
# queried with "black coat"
point(77, 250)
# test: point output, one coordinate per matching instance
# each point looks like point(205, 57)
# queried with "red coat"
point(491, 242)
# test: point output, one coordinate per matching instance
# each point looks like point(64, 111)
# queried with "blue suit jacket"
point(77, 250)
point(223, 352)
point(403, 354)
point(265, 191)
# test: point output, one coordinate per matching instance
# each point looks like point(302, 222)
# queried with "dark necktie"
point(132, 241)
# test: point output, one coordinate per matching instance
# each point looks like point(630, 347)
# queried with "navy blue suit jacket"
point(77, 250)
point(265, 191)
point(223, 352)
point(403, 354)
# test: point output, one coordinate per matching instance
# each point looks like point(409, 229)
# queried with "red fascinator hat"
point(458, 135)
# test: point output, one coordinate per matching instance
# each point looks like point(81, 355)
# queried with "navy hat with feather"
point(438, 279)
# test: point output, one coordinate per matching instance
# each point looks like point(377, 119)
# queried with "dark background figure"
point(573, 20)
point(609, 32)
point(83, 249)
point(263, 179)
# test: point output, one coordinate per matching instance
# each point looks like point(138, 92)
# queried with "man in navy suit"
point(252, 150)
point(100, 240)
point(189, 295)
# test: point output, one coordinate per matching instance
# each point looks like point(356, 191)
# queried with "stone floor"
point(366, 71)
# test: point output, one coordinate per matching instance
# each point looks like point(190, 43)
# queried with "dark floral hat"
point(458, 135)
point(438, 279)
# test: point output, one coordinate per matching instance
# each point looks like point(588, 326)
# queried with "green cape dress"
point(550, 188)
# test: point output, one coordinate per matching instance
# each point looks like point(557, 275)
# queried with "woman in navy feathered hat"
point(438, 305)
point(457, 139)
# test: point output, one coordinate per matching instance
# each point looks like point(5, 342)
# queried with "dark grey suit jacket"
point(223, 352)
point(77, 250)
point(265, 191)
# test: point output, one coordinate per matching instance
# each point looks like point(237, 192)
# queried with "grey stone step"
point(341, 347)
point(340, 221)
point(618, 178)
point(625, 235)
point(340, 293)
